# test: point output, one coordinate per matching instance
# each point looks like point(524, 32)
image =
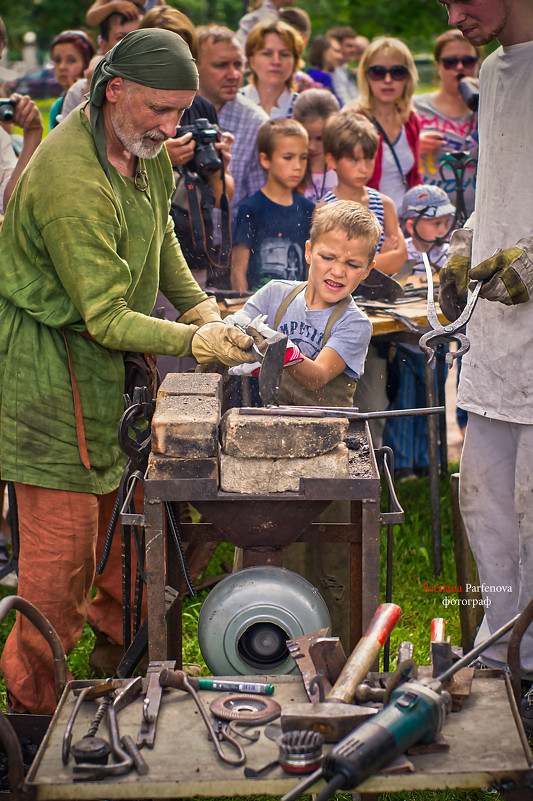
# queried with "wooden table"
point(183, 763)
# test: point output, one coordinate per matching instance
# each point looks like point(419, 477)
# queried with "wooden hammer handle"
point(365, 653)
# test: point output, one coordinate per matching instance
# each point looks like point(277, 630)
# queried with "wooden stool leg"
point(469, 614)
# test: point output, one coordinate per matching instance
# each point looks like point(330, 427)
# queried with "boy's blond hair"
point(346, 129)
point(355, 220)
point(270, 130)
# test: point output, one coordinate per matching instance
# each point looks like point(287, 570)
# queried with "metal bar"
point(441, 400)
point(434, 493)
point(341, 411)
point(155, 579)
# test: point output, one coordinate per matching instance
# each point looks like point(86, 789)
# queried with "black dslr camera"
point(7, 110)
point(205, 159)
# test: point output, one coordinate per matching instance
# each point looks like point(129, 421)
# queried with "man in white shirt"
point(496, 387)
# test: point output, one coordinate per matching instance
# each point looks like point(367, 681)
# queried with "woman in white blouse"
point(273, 51)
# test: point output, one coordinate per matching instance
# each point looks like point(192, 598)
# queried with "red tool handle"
point(365, 653)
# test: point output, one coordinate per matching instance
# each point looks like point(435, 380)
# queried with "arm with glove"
point(309, 373)
point(214, 340)
point(507, 274)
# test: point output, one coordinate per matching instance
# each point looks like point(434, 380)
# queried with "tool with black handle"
point(415, 714)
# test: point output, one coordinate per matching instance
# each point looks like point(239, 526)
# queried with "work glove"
point(454, 276)
point(216, 341)
point(508, 275)
point(206, 311)
point(260, 331)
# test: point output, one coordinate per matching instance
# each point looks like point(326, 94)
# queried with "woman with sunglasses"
point(387, 77)
point(446, 121)
point(71, 53)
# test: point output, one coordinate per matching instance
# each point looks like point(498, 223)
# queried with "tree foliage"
point(416, 21)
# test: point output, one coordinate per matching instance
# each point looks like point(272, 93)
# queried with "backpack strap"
point(286, 302)
point(336, 312)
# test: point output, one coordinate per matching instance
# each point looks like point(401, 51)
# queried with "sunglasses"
point(452, 62)
point(399, 72)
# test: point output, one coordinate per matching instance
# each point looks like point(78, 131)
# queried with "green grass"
point(412, 569)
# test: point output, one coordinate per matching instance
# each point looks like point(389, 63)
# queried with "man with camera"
point(16, 110)
point(86, 242)
point(200, 155)
point(221, 69)
point(496, 385)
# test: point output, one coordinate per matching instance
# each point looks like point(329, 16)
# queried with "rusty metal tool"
point(336, 411)
point(245, 708)
point(336, 716)
point(441, 648)
point(152, 702)
point(272, 361)
point(90, 693)
point(320, 660)
point(180, 681)
point(451, 331)
point(124, 762)
point(298, 647)
point(271, 356)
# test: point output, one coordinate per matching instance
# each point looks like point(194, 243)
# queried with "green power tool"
point(415, 714)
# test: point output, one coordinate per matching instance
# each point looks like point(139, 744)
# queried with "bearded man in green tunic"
point(85, 245)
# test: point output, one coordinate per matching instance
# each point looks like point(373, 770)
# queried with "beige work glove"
point(216, 341)
point(454, 276)
point(206, 311)
point(508, 275)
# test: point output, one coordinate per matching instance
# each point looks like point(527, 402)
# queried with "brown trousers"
point(61, 537)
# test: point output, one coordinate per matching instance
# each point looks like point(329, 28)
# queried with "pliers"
point(443, 333)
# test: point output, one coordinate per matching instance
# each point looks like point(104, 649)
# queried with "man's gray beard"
point(131, 141)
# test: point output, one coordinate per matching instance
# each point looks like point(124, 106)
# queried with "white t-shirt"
point(497, 372)
point(391, 182)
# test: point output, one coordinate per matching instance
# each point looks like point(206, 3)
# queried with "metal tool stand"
point(262, 525)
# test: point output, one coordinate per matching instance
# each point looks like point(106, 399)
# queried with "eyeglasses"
point(452, 62)
point(399, 72)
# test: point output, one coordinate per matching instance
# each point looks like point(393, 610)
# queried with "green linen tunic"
point(78, 252)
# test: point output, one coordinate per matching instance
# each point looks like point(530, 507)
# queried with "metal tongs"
point(452, 331)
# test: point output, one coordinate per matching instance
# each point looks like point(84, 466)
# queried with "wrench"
point(439, 333)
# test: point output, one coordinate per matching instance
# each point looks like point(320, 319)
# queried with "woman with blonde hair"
point(274, 52)
point(387, 78)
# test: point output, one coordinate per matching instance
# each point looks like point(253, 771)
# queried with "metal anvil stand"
point(262, 525)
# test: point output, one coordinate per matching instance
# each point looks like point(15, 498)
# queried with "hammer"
point(336, 716)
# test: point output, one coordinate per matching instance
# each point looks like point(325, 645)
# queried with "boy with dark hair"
point(272, 226)
point(350, 145)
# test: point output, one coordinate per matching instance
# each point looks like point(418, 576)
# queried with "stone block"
point(259, 476)
point(163, 467)
point(186, 426)
point(260, 436)
point(204, 384)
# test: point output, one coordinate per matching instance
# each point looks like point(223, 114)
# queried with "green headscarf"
point(152, 57)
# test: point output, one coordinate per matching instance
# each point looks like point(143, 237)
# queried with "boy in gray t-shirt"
point(320, 316)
